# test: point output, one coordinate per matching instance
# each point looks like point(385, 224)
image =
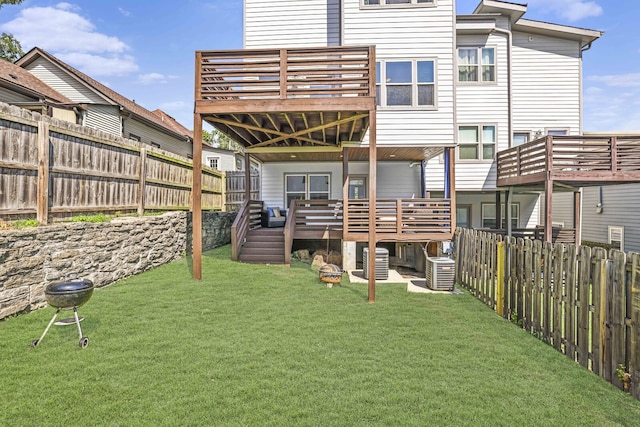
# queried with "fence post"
point(143, 178)
point(634, 356)
point(223, 188)
point(500, 280)
point(43, 173)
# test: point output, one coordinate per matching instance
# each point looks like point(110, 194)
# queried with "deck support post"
point(507, 205)
point(247, 177)
point(196, 202)
point(577, 216)
point(452, 187)
point(373, 238)
point(548, 209)
point(498, 211)
point(345, 191)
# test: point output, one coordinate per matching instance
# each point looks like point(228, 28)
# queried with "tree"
point(10, 48)
point(217, 139)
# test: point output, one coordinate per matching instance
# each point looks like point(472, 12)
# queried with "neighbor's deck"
point(571, 161)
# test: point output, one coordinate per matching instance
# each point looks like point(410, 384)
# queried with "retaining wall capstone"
point(104, 253)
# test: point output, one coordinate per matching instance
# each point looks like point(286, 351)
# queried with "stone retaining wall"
point(32, 258)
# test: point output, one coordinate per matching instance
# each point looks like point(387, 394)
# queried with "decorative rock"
point(318, 262)
point(334, 258)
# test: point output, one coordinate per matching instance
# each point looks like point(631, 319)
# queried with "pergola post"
point(507, 205)
point(498, 211)
point(548, 209)
point(196, 203)
point(372, 206)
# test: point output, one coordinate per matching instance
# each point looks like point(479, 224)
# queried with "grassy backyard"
point(260, 345)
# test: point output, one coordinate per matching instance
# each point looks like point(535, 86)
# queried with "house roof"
point(169, 126)
point(516, 11)
point(21, 80)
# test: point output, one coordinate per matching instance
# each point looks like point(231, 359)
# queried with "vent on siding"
point(616, 237)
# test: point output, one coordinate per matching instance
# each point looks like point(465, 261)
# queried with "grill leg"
point(47, 328)
point(75, 313)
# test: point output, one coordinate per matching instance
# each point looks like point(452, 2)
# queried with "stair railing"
point(289, 231)
point(248, 217)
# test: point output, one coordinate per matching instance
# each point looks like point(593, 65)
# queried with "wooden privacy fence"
point(583, 301)
point(51, 169)
point(236, 190)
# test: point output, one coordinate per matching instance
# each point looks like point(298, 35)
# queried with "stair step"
point(263, 246)
point(262, 259)
point(263, 251)
point(263, 240)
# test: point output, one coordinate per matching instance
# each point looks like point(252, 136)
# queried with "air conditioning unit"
point(382, 263)
point(440, 273)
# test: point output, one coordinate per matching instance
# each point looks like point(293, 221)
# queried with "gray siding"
point(11, 97)
point(620, 207)
point(150, 135)
point(528, 207)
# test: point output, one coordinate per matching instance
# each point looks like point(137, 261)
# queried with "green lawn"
point(261, 345)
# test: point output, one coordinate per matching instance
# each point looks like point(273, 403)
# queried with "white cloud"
point(154, 78)
point(124, 12)
point(618, 80)
point(571, 10)
point(72, 38)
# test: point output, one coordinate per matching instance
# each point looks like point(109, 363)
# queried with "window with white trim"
point(476, 142)
point(312, 186)
point(519, 138)
point(557, 132)
point(488, 212)
point(134, 137)
point(410, 83)
point(476, 64)
point(616, 237)
point(213, 162)
point(397, 2)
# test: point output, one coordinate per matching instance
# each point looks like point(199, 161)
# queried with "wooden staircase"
point(263, 246)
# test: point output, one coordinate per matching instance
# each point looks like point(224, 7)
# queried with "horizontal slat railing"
point(285, 73)
point(579, 154)
point(318, 214)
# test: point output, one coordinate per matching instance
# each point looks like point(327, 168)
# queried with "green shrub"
point(91, 218)
point(24, 223)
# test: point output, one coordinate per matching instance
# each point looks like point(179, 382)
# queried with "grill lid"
point(68, 287)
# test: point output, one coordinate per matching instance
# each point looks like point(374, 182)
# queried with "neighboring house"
point(21, 88)
point(484, 82)
point(105, 109)
point(221, 159)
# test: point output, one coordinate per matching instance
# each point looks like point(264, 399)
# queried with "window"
point(463, 216)
point(477, 142)
point(357, 187)
point(557, 132)
point(405, 83)
point(519, 138)
point(489, 215)
point(134, 137)
point(477, 64)
point(213, 162)
point(616, 237)
point(306, 186)
point(397, 2)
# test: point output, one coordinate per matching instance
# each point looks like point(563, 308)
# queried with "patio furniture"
point(273, 217)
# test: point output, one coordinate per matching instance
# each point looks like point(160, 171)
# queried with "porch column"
point(372, 206)
point(452, 186)
point(196, 202)
point(247, 177)
point(548, 208)
point(577, 216)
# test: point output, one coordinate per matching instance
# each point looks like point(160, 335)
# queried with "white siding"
point(409, 33)
point(528, 207)
point(395, 179)
point(63, 82)
point(150, 135)
point(290, 23)
point(226, 159)
point(546, 83)
point(620, 207)
point(103, 117)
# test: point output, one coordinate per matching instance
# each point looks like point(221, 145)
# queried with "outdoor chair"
point(273, 217)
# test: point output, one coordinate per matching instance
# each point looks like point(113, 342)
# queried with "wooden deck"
point(275, 99)
point(570, 161)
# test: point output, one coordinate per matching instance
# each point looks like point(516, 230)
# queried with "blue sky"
point(144, 49)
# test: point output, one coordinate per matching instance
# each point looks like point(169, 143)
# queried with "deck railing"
point(285, 73)
point(575, 154)
point(248, 218)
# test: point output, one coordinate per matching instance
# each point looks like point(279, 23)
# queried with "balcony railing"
point(579, 156)
point(285, 73)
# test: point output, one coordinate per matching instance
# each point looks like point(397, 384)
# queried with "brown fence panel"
point(18, 167)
